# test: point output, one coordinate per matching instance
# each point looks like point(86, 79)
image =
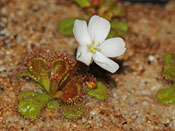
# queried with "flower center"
point(92, 48)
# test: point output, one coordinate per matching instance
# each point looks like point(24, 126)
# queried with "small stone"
point(84, 120)
point(50, 112)
point(154, 88)
point(93, 113)
point(151, 58)
point(1, 62)
point(145, 103)
point(2, 68)
point(4, 11)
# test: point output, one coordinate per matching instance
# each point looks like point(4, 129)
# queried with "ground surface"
point(27, 25)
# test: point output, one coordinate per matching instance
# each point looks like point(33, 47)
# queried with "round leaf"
point(166, 96)
point(120, 28)
point(52, 104)
point(72, 111)
point(29, 108)
point(100, 92)
point(66, 26)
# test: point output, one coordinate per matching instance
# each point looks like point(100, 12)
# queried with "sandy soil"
point(30, 25)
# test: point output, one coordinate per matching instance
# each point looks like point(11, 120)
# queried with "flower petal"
point(113, 47)
point(84, 55)
point(81, 33)
point(98, 28)
point(105, 62)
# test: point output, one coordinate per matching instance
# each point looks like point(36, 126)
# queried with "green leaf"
point(31, 103)
point(26, 94)
point(120, 28)
point(39, 68)
point(40, 86)
point(42, 98)
point(106, 5)
point(166, 96)
point(169, 67)
point(167, 58)
point(66, 26)
point(109, 9)
point(29, 108)
point(59, 69)
point(112, 34)
point(169, 72)
point(72, 111)
point(83, 3)
point(100, 92)
point(71, 92)
point(118, 11)
point(26, 73)
point(53, 104)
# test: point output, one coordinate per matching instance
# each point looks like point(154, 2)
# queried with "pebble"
point(114, 95)
point(151, 58)
point(5, 32)
point(79, 121)
point(12, 15)
point(8, 52)
point(4, 11)
point(154, 88)
point(143, 92)
point(2, 68)
point(89, 122)
point(68, 125)
point(84, 120)
point(145, 103)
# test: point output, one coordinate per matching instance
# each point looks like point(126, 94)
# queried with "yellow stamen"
point(91, 48)
point(98, 49)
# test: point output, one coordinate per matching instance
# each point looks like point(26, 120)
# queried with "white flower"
point(93, 46)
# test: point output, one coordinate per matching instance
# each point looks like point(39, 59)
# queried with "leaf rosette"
point(62, 86)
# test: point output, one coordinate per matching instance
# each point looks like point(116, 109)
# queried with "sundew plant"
point(63, 81)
